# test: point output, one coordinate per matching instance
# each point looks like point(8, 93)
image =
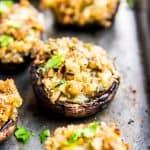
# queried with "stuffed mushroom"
point(91, 136)
point(21, 26)
point(10, 101)
point(74, 78)
point(83, 12)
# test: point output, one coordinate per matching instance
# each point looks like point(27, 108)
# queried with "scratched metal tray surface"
point(127, 42)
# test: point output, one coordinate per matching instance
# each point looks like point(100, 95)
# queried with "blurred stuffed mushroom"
point(21, 26)
point(10, 101)
point(74, 78)
point(83, 12)
point(91, 136)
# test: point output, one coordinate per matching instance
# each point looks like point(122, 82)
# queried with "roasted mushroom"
point(83, 12)
point(20, 30)
point(92, 136)
point(10, 101)
point(73, 78)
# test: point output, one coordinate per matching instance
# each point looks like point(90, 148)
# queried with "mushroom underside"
point(7, 130)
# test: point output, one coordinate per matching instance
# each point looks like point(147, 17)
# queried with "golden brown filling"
point(10, 100)
point(93, 136)
point(74, 71)
point(82, 12)
point(20, 28)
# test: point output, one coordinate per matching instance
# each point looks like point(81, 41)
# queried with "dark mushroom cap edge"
point(7, 130)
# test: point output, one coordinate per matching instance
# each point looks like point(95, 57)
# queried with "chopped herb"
point(32, 133)
point(54, 62)
point(74, 137)
point(40, 70)
point(60, 83)
point(91, 130)
point(87, 132)
point(22, 134)
point(44, 135)
point(14, 24)
point(88, 46)
point(5, 40)
point(131, 3)
point(5, 4)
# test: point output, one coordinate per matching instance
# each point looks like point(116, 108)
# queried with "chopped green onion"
point(22, 134)
point(131, 3)
point(60, 83)
point(32, 133)
point(54, 62)
point(14, 24)
point(5, 40)
point(5, 4)
point(88, 46)
point(74, 137)
point(91, 130)
point(87, 132)
point(44, 135)
point(40, 70)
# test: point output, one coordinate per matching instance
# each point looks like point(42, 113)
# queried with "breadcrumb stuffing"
point(10, 101)
point(105, 138)
point(83, 12)
point(20, 30)
point(74, 71)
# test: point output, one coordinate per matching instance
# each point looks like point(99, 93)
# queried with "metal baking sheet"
point(125, 42)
